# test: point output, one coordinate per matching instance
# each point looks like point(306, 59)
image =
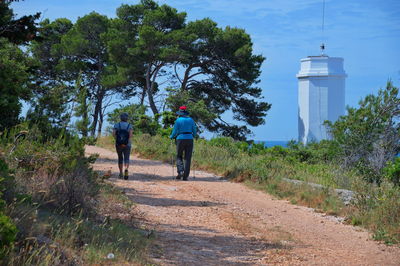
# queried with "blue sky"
point(366, 33)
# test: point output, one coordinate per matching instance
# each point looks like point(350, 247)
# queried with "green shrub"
point(303, 155)
point(165, 132)
point(137, 118)
point(257, 149)
point(225, 142)
point(8, 230)
point(392, 171)
point(147, 125)
point(227, 148)
point(278, 151)
point(368, 136)
point(134, 112)
point(55, 172)
point(322, 152)
point(242, 146)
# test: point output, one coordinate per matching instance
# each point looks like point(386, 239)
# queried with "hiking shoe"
point(120, 176)
point(126, 175)
point(185, 179)
point(179, 176)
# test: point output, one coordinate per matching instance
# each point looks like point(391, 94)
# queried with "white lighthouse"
point(321, 95)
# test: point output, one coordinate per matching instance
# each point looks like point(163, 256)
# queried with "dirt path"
point(208, 221)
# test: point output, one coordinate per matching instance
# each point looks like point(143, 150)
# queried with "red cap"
point(183, 108)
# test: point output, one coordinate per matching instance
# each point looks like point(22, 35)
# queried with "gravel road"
point(209, 221)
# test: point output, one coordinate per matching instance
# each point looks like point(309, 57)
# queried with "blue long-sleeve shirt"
point(184, 128)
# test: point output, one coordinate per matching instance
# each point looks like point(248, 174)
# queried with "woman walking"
point(122, 133)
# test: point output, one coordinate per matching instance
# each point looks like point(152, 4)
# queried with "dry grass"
point(106, 142)
point(64, 213)
point(47, 238)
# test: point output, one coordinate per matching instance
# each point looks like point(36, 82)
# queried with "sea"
point(272, 143)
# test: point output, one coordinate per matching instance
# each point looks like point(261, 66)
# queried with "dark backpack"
point(122, 135)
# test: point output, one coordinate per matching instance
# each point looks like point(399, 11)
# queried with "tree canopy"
point(16, 30)
point(15, 66)
point(149, 54)
point(196, 61)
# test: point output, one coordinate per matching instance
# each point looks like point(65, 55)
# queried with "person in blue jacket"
point(184, 132)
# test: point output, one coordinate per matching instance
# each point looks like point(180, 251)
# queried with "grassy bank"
point(375, 207)
point(60, 212)
point(49, 238)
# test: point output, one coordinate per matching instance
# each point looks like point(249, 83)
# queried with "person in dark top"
point(122, 133)
point(184, 132)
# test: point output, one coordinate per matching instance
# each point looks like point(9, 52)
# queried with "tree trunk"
point(143, 96)
point(187, 75)
point(99, 128)
point(97, 115)
point(186, 78)
point(100, 99)
point(95, 118)
point(149, 88)
point(85, 118)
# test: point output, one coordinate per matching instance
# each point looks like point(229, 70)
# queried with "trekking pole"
point(172, 159)
point(194, 168)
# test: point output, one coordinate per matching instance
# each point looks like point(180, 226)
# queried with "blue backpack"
point(122, 135)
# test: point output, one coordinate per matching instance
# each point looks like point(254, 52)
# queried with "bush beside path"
point(209, 221)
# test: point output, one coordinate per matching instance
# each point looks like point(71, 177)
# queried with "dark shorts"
point(123, 153)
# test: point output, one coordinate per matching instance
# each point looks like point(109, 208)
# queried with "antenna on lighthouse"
point(323, 24)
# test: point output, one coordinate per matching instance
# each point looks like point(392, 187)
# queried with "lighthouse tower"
point(320, 95)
